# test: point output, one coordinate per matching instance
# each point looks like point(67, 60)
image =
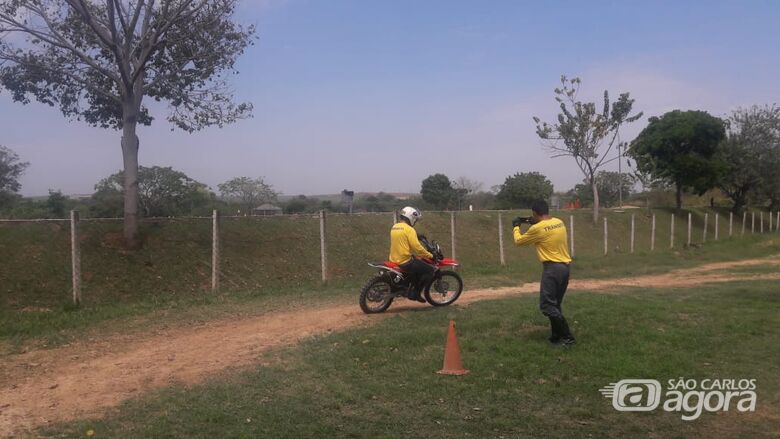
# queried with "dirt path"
point(83, 380)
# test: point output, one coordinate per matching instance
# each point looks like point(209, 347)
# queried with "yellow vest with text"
point(549, 237)
point(404, 244)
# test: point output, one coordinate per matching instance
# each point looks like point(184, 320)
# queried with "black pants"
point(419, 274)
point(555, 280)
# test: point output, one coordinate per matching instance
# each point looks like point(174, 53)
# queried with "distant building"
point(266, 210)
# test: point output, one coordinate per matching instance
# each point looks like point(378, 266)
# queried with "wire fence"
point(45, 261)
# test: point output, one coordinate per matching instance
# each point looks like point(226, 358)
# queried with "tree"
point(464, 188)
point(681, 147)
point(55, 204)
point(752, 156)
point(97, 61)
point(611, 185)
point(162, 192)
point(583, 133)
point(522, 189)
point(247, 192)
point(11, 168)
point(437, 191)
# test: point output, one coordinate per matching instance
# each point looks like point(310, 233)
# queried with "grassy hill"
point(270, 256)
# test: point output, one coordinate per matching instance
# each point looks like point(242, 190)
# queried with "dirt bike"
point(444, 289)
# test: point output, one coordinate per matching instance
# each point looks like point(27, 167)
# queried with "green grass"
point(380, 381)
point(277, 259)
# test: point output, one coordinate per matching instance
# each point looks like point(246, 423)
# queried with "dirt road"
point(83, 380)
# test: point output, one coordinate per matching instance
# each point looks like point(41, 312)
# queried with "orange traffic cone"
point(452, 363)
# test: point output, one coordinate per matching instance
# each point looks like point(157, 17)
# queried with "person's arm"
point(532, 236)
point(416, 246)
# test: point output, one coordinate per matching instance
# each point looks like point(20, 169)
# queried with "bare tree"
point(98, 60)
point(583, 133)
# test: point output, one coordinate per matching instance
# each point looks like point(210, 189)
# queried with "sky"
point(376, 95)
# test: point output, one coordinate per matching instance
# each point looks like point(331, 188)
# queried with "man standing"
point(548, 234)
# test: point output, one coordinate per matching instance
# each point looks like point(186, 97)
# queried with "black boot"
point(555, 336)
point(566, 337)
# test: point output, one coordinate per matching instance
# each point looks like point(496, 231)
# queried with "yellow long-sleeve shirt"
point(404, 244)
point(549, 237)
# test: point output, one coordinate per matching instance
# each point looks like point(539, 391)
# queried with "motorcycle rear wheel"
point(445, 288)
point(376, 296)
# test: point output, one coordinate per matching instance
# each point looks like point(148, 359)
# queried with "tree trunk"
point(679, 196)
point(595, 189)
point(130, 160)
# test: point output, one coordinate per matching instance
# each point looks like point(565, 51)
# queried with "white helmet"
point(412, 214)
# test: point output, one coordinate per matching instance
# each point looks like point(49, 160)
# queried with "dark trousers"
point(419, 274)
point(555, 280)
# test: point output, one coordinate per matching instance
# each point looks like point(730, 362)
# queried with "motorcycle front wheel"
point(377, 295)
point(445, 288)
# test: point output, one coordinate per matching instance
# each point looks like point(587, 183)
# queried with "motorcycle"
point(390, 282)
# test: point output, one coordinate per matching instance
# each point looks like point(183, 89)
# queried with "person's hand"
point(517, 221)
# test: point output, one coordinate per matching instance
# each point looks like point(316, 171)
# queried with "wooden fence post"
point(716, 226)
point(744, 221)
point(75, 256)
point(704, 233)
point(571, 235)
point(752, 223)
point(215, 251)
point(632, 232)
point(762, 222)
point(323, 249)
point(452, 233)
point(395, 217)
point(777, 221)
point(671, 239)
point(605, 236)
point(771, 225)
point(652, 235)
point(689, 229)
point(501, 240)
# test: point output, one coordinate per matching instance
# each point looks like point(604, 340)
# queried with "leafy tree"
point(97, 61)
point(522, 189)
point(611, 185)
point(681, 147)
point(56, 204)
point(11, 168)
point(247, 192)
point(464, 188)
point(585, 134)
point(163, 192)
point(437, 191)
point(752, 156)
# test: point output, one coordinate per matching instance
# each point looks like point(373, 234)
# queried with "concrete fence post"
point(215, 251)
point(652, 235)
point(323, 248)
point(75, 256)
point(752, 223)
point(632, 232)
point(671, 234)
point(452, 233)
point(501, 239)
point(689, 229)
point(605, 236)
point(762, 222)
point(777, 221)
point(771, 225)
point(716, 226)
point(731, 224)
point(571, 235)
point(704, 232)
point(395, 217)
point(744, 221)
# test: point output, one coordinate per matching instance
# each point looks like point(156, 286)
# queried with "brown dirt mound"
point(83, 380)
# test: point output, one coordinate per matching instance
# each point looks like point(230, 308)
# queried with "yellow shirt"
point(549, 237)
point(404, 243)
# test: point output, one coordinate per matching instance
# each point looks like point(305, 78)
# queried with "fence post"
point(777, 221)
point(752, 222)
point(571, 235)
point(716, 226)
point(452, 233)
point(395, 217)
point(501, 240)
point(771, 226)
point(75, 256)
point(704, 233)
point(652, 235)
point(605, 235)
point(689, 229)
point(762, 222)
point(744, 220)
point(215, 251)
point(731, 223)
point(323, 249)
point(671, 239)
point(632, 233)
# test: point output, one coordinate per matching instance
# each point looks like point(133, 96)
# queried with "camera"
point(522, 220)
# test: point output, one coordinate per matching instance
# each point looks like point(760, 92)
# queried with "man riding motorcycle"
point(405, 247)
